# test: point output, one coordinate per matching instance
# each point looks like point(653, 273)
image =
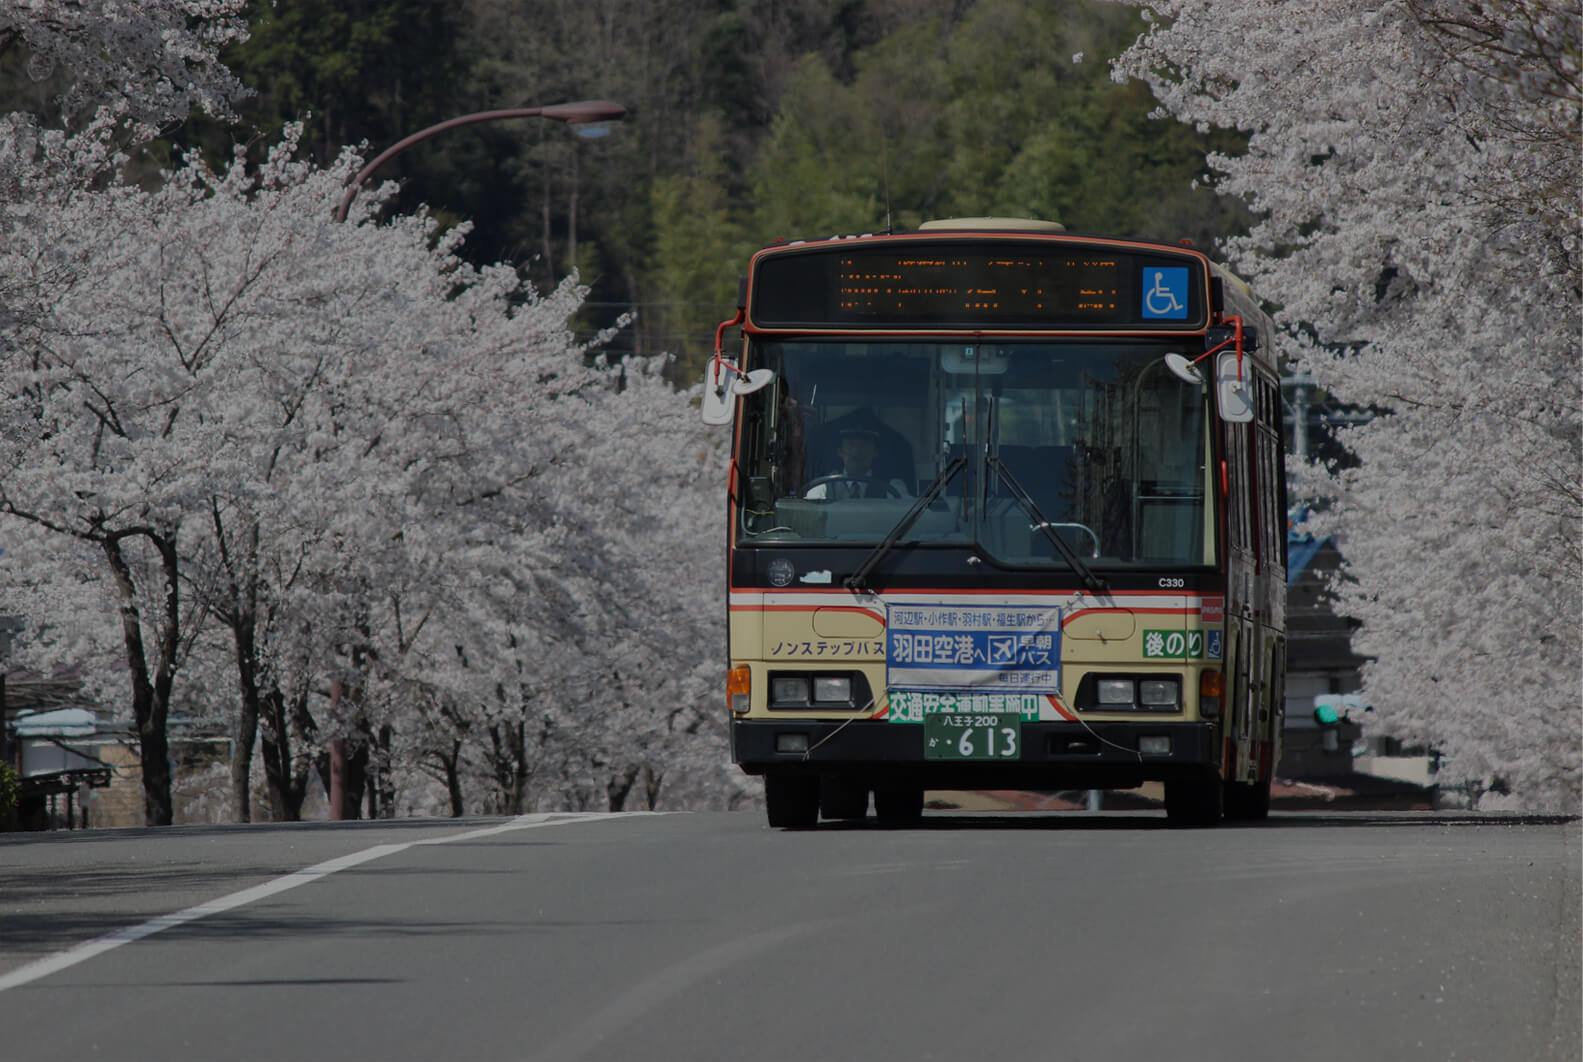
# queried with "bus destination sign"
point(963, 284)
point(978, 284)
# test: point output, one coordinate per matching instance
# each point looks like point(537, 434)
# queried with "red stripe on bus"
point(1128, 612)
point(1060, 708)
point(912, 591)
point(814, 607)
point(807, 608)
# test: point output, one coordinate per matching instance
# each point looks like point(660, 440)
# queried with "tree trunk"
point(154, 751)
point(652, 780)
point(335, 782)
point(286, 774)
point(453, 778)
point(246, 734)
point(343, 768)
point(381, 779)
point(306, 734)
point(442, 761)
point(620, 786)
point(150, 692)
point(508, 762)
point(242, 744)
point(356, 767)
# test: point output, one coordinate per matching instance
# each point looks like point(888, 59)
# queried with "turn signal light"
point(739, 689)
point(1211, 693)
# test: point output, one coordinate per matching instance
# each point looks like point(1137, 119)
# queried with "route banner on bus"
point(914, 706)
point(981, 648)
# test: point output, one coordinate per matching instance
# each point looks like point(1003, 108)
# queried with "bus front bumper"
point(1053, 754)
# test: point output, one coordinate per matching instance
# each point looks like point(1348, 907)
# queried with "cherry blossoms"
point(148, 62)
point(321, 481)
point(1414, 164)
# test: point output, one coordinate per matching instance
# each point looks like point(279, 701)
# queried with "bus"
point(1006, 512)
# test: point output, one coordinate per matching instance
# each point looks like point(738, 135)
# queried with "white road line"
point(108, 942)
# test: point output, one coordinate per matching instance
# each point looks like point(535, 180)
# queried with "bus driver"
point(856, 478)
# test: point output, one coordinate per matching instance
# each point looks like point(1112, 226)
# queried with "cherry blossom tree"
point(345, 483)
point(581, 659)
point(658, 721)
point(146, 62)
point(1414, 166)
point(365, 461)
point(133, 67)
point(95, 439)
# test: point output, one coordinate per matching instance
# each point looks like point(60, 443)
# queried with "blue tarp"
point(1300, 553)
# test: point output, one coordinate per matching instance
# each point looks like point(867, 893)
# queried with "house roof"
point(61, 722)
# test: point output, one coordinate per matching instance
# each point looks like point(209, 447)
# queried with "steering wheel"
point(878, 488)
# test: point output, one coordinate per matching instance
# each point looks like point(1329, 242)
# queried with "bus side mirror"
point(1183, 369)
point(723, 383)
point(719, 402)
point(1234, 389)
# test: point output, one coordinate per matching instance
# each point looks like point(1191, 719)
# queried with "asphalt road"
point(1083, 936)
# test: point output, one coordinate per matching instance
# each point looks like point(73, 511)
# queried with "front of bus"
point(974, 535)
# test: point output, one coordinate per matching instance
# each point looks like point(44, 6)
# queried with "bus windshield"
point(1094, 441)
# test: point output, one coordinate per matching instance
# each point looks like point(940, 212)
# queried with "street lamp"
point(589, 119)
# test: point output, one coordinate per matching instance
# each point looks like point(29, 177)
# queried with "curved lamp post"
point(587, 118)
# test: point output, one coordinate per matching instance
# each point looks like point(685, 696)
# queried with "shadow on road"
point(1078, 821)
point(25, 936)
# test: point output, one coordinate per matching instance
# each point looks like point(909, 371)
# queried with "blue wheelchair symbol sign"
point(1165, 293)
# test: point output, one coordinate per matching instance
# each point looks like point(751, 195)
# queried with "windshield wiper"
point(1091, 582)
point(857, 581)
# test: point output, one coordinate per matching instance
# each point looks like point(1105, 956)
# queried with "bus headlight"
point(789, 690)
point(832, 688)
point(823, 691)
point(1115, 691)
point(1159, 693)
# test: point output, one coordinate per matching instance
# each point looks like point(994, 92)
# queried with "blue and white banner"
point(1006, 648)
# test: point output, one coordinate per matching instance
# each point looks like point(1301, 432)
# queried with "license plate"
point(972, 736)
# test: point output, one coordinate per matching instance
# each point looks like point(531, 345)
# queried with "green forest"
point(749, 120)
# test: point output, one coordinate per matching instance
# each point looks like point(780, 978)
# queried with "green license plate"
point(972, 736)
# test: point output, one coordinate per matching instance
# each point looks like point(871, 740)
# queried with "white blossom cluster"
point(314, 479)
point(148, 62)
point(1415, 165)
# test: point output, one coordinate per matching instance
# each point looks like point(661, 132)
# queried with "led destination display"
point(975, 284)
